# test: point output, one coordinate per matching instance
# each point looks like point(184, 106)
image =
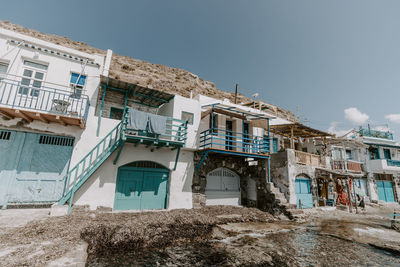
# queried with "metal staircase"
point(81, 172)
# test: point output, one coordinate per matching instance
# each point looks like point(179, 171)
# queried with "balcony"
point(378, 165)
point(347, 166)
point(376, 134)
point(393, 163)
point(175, 133)
point(234, 142)
point(308, 159)
point(43, 104)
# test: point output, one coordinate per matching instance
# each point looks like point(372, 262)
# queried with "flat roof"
point(235, 111)
point(143, 95)
point(299, 130)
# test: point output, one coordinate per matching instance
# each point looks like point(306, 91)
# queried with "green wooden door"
point(33, 167)
point(303, 193)
point(141, 189)
point(385, 191)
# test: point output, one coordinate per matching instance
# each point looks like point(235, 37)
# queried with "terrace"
point(42, 103)
point(375, 133)
point(347, 166)
point(231, 142)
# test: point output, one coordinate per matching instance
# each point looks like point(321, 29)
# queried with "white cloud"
point(355, 116)
point(393, 118)
point(333, 129)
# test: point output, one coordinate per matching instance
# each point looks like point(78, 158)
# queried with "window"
point(32, 78)
point(3, 70)
point(116, 113)
point(349, 155)
point(386, 153)
point(77, 86)
point(35, 65)
point(187, 116)
point(336, 154)
point(213, 123)
point(373, 153)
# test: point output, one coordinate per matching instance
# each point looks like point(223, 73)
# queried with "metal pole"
point(101, 110)
point(269, 169)
point(236, 93)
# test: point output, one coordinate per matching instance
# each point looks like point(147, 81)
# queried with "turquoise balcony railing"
point(14, 95)
point(175, 133)
point(234, 141)
point(376, 133)
point(393, 163)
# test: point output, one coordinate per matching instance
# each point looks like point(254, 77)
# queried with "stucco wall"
point(99, 190)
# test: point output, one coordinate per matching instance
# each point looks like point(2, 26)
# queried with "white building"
point(64, 135)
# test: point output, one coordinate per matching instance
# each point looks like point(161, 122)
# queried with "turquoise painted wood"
point(36, 169)
point(303, 193)
point(385, 191)
point(141, 189)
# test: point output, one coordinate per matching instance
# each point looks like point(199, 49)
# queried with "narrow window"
point(77, 86)
point(187, 116)
point(116, 113)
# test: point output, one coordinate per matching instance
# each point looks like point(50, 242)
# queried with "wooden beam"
point(22, 115)
point(59, 119)
point(291, 138)
point(228, 113)
point(41, 118)
point(6, 114)
point(205, 113)
point(82, 123)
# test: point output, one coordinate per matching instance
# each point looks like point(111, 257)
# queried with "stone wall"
point(284, 171)
point(238, 165)
point(115, 99)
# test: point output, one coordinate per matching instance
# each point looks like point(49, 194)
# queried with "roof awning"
point(322, 171)
point(234, 112)
point(297, 130)
point(142, 95)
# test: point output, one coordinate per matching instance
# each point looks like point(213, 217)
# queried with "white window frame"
point(32, 79)
point(78, 87)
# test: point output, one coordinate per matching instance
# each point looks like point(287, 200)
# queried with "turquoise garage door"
point(33, 166)
point(141, 186)
point(385, 191)
point(303, 193)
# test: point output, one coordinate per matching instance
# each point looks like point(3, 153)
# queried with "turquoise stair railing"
point(89, 164)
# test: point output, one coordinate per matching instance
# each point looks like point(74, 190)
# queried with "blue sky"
point(336, 64)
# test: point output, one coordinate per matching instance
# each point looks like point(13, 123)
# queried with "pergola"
point(297, 130)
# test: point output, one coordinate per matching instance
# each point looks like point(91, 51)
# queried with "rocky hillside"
point(156, 76)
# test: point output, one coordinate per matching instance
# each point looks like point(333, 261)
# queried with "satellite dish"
point(255, 95)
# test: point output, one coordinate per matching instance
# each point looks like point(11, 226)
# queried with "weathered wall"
point(238, 165)
point(284, 171)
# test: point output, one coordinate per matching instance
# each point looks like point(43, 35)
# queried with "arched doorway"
point(303, 192)
point(223, 187)
point(141, 185)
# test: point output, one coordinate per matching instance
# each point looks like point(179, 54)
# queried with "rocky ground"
point(219, 236)
point(30, 238)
